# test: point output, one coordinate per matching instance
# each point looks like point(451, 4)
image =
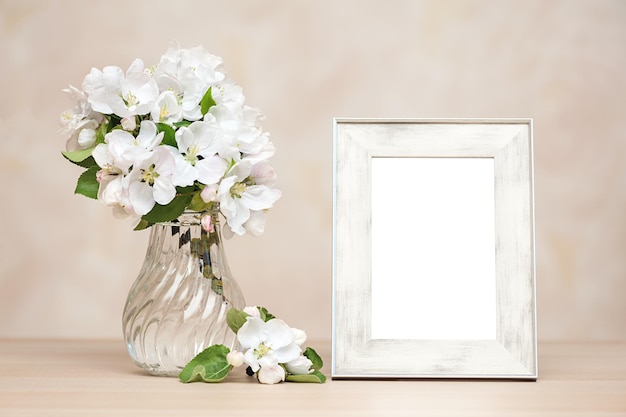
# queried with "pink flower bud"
point(129, 123)
point(207, 223)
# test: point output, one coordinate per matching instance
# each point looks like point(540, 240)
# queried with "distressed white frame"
point(513, 354)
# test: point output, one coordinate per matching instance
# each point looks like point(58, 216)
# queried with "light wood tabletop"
point(97, 378)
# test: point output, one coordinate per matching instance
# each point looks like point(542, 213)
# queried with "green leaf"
point(312, 355)
point(168, 212)
point(315, 377)
point(186, 190)
point(207, 101)
point(265, 315)
point(114, 121)
point(101, 133)
point(82, 157)
point(235, 319)
point(87, 184)
point(142, 225)
point(182, 123)
point(198, 204)
point(210, 365)
point(169, 135)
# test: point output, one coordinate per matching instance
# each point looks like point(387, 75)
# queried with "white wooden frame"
point(513, 353)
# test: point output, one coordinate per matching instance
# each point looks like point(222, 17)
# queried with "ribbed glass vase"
point(177, 306)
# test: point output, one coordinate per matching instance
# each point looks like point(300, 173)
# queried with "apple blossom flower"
point(128, 150)
point(267, 343)
point(184, 174)
point(228, 93)
point(199, 146)
point(111, 91)
point(193, 71)
point(236, 131)
point(150, 181)
point(80, 118)
point(167, 109)
point(113, 192)
point(238, 198)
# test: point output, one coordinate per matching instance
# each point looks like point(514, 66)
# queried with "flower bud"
point(299, 366)
point(234, 358)
point(252, 311)
point(87, 138)
point(207, 223)
point(209, 193)
point(272, 374)
point(129, 123)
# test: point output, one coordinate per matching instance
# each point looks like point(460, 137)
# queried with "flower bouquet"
point(156, 141)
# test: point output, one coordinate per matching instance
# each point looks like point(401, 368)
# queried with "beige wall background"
point(67, 264)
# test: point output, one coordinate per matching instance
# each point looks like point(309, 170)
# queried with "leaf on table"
point(210, 365)
point(315, 377)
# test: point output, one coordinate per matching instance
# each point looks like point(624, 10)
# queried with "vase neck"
point(193, 239)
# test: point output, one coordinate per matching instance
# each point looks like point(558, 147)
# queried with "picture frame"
point(433, 249)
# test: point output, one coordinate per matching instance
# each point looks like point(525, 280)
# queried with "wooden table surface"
point(96, 378)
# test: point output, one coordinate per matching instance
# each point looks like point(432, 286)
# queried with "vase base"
point(159, 371)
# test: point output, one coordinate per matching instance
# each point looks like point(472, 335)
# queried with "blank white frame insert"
point(433, 249)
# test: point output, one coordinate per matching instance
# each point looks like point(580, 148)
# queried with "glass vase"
point(177, 306)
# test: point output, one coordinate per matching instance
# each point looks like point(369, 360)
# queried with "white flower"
point(238, 198)
point(189, 73)
point(111, 191)
point(228, 93)
point(196, 64)
point(128, 150)
point(150, 182)
point(267, 343)
point(234, 358)
point(272, 374)
point(299, 366)
point(167, 109)
point(112, 91)
point(238, 131)
point(184, 174)
point(80, 118)
point(199, 146)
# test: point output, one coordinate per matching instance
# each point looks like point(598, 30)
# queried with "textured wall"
point(67, 264)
